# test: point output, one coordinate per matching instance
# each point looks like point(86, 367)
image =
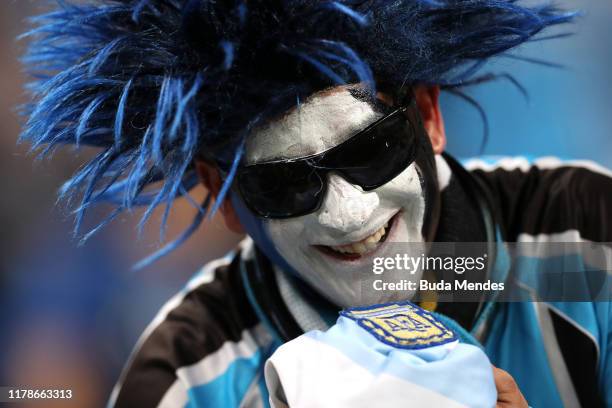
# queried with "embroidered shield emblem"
point(402, 325)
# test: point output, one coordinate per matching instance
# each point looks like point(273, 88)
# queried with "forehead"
point(320, 123)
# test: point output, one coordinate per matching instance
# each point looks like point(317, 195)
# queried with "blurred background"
point(70, 315)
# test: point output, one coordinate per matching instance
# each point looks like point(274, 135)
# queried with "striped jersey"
point(208, 345)
point(385, 356)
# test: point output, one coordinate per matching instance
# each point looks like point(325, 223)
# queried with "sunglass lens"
point(281, 191)
point(376, 157)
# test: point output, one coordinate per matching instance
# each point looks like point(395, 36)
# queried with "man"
point(317, 130)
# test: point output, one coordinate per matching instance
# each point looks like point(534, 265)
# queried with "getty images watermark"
point(509, 272)
point(416, 266)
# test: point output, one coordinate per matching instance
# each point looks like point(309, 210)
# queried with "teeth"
point(363, 246)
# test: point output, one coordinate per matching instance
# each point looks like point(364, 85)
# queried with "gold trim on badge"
point(402, 325)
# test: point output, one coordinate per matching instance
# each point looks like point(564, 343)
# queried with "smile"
point(359, 248)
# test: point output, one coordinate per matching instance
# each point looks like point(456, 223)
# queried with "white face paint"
point(320, 124)
point(334, 247)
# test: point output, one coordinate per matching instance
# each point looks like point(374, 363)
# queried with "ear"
point(427, 98)
point(211, 179)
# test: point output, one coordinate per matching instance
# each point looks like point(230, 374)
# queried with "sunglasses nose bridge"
point(345, 207)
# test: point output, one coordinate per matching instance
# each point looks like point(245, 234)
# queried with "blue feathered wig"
point(155, 84)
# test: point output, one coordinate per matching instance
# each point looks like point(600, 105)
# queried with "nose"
point(346, 208)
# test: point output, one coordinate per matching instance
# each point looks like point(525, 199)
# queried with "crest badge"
point(402, 325)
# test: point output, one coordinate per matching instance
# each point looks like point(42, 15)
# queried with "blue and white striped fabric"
point(397, 355)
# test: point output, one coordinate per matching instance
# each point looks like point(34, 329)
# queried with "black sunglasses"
point(371, 158)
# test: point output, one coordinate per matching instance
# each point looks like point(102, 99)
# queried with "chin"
point(345, 278)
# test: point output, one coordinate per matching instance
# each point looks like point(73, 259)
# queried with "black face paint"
point(366, 95)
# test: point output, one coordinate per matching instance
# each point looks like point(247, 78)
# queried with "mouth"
point(365, 246)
